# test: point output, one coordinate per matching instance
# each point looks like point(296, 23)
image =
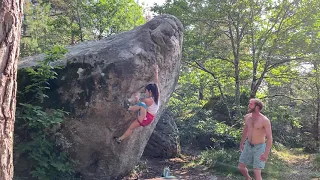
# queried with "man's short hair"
point(258, 103)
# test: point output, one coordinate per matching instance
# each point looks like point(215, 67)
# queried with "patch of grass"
point(315, 175)
point(290, 155)
point(316, 162)
point(316, 167)
point(225, 162)
point(293, 162)
point(276, 167)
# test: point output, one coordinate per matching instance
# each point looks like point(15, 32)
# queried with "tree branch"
point(283, 61)
point(286, 96)
point(200, 66)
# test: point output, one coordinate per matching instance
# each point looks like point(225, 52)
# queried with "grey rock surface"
point(164, 141)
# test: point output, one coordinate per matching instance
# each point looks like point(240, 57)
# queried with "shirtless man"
point(253, 146)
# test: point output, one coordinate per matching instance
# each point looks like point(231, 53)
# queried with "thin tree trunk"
point(10, 30)
point(73, 38)
point(201, 91)
point(254, 60)
point(316, 127)
point(237, 84)
point(235, 42)
point(79, 22)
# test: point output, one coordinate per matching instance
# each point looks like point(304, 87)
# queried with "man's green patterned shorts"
point(251, 155)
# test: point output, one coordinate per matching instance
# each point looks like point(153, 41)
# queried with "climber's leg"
point(128, 132)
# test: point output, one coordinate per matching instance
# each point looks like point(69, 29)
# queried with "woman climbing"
point(147, 109)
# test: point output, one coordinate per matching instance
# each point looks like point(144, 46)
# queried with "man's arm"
point(244, 133)
point(268, 130)
point(245, 130)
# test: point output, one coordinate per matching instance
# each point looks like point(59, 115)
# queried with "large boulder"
point(164, 141)
point(97, 79)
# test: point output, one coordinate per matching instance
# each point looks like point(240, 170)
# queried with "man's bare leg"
point(244, 171)
point(257, 174)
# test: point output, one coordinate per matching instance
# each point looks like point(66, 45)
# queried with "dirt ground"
point(180, 167)
point(184, 168)
point(153, 168)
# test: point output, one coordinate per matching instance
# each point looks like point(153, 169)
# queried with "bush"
point(36, 127)
point(202, 131)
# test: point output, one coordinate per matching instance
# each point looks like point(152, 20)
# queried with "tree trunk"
point(237, 86)
point(316, 127)
point(254, 63)
point(73, 36)
point(79, 22)
point(10, 31)
point(201, 93)
point(235, 43)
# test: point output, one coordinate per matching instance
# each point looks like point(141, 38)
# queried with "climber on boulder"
point(147, 108)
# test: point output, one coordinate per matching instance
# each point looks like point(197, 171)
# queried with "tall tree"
point(10, 29)
point(70, 13)
point(37, 34)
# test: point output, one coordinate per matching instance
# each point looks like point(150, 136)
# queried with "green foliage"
point(106, 17)
point(41, 30)
point(186, 100)
point(48, 162)
point(55, 53)
point(36, 127)
point(203, 131)
point(273, 50)
point(64, 22)
point(35, 28)
point(44, 72)
point(36, 118)
point(244, 45)
point(286, 124)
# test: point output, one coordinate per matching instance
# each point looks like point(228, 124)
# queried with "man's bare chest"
point(255, 124)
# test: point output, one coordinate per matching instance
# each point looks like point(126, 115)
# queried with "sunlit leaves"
point(64, 22)
point(107, 17)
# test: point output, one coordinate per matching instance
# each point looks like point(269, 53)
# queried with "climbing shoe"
point(118, 140)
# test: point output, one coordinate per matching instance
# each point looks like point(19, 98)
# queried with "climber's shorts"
point(147, 120)
point(251, 155)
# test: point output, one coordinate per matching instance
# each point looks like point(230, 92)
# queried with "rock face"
point(94, 85)
point(164, 141)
